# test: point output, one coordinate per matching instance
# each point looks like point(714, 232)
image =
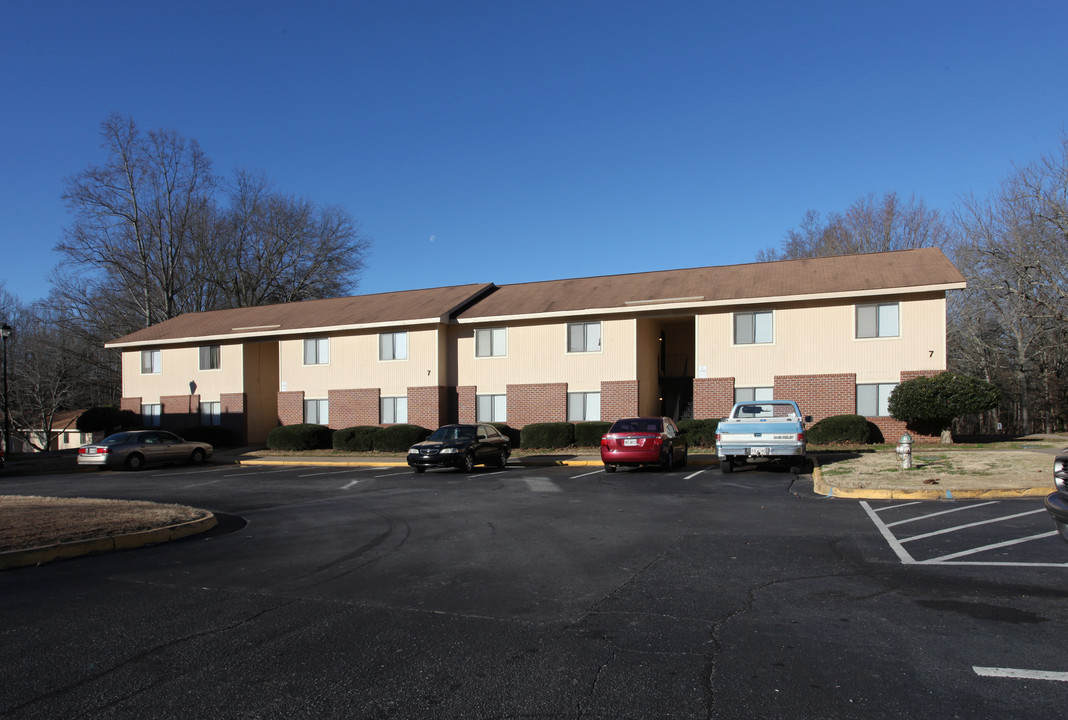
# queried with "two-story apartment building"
point(836, 334)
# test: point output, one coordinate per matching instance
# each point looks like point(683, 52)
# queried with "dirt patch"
point(28, 521)
point(933, 467)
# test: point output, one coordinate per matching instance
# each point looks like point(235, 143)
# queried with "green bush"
point(509, 432)
point(355, 439)
point(217, 435)
point(548, 435)
point(398, 438)
point(106, 418)
point(588, 434)
point(840, 429)
point(304, 436)
point(700, 433)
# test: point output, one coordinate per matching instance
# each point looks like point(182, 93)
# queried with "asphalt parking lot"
point(539, 592)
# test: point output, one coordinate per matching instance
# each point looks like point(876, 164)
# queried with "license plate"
point(760, 451)
point(630, 442)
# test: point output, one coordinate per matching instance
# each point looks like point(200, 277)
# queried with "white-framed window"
point(317, 412)
point(583, 406)
point(210, 358)
point(151, 362)
point(491, 408)
point(753, 394)
point(393, 346)
point(754, 328)
point(150, 414)
point(316, 351)
point(211, 413)
point(873, 400)
point(393, 410)
point(584, 337)
point(491, 342)
point(878, 320)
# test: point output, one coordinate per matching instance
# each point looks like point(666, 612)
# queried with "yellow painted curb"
point(128, 541)
point(821, 487)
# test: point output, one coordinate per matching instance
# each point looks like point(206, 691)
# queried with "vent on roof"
point(654, 301)
point(255, 327)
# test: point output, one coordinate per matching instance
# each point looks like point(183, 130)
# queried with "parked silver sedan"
point(137, 448)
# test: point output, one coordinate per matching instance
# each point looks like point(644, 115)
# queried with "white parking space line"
point(943, 512)
point(994, 546)
point(260, 472)
point(1021, 674)
point(482, 475)
point(587, 474)
point(394, 474)
point(955, 528)
point(327, 472)
point(189, 472)
point(691, 476)
point(895, 507)
point(350, 484)
point(900, 551)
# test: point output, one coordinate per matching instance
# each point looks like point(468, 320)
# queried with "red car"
point(644, 441)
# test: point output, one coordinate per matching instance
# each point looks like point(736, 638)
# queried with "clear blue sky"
point(515, 141)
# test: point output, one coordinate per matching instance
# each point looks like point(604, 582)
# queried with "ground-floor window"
point(150, 414)
point(753, 394)
point(211, 413)
point(491, 408)
point(394, 410)
point(873, 400)
point(583, 406)
point(317, 412)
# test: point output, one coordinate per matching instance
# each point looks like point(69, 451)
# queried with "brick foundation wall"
point(179, 411)
point(541, 402)
point(428, 406)
point(133, 404)
point(619, 398)
point(291, 407)
point(712, 397)
point(349, 408)
point(819, 395)
point(232, 409)
point(467, 404)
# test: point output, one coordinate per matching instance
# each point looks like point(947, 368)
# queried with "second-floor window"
point(316, 351)
point(151, 362)
point(878, 320)
point(491, 342)
point(209, 357)
point(584, 337)
point(393, 346)
point(754, 328)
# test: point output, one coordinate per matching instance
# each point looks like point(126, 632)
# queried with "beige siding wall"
point(354, 363)
point(811, 340)
point(537, 353)
point(181, 366)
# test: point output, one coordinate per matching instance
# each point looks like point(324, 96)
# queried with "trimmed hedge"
point(217, 435)
point(700, 433)
point(356, 439)
point(509, 432)
point(398, 438)
point(548, 435)
point(588, 434)
point(304, 436)
point(840, 429)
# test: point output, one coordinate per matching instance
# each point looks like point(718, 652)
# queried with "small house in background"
point(65, 435)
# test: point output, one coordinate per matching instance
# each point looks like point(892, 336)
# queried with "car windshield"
point(118, 439)
point(454, 433)
point(652, 425)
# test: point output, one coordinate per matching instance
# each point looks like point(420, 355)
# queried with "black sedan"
point(1057, 503)
point(460, 446)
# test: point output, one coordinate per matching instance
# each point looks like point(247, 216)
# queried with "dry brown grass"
point(934, 465)
point(28, 521)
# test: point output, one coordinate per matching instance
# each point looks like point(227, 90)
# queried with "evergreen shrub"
point(398, 438)
point(359, 438)
point(700, 433)
point(304, 436)
point(548, 435)
point(852, 429)
point(588, 434)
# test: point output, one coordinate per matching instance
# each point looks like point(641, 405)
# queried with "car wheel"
point(469, 462)
point(418, 470)
point(669, 462)
point(135, 461)
point(726, 465)
point(502, 459)
point(609, 468)
point(197, 457)
point(684, 460)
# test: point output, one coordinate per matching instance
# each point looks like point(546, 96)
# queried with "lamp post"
point(5, 332)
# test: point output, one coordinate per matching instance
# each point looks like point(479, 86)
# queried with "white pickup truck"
point(765, 429)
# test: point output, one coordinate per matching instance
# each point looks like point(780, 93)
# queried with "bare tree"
point(868, 225)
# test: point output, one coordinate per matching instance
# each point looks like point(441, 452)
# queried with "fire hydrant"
point(904, 451)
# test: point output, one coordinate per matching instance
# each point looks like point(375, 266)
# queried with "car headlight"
point(447, 451)
point(413, 451)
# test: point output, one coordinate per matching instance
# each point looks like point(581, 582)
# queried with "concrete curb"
point(62, 551)
point(821, 487)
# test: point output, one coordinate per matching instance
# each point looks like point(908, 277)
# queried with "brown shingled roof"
point(360, 310)
point(922, 268)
